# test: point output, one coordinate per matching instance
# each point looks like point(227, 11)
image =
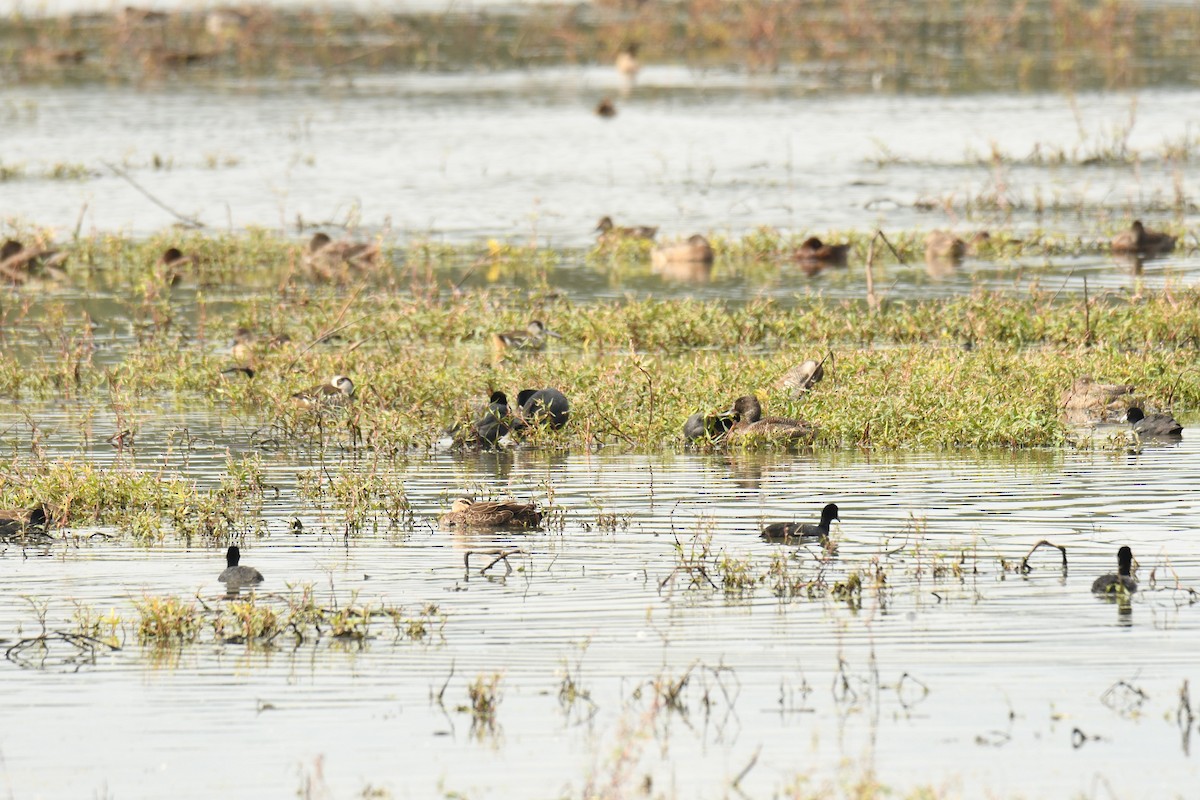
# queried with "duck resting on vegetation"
point(467, 513)
point(696, 250)
point(1120, 581)
point(751, 425)
point(235, 576)
point(532, 338)
point(1153, 424)
point(707, 427)
point(540, 407)
point(325, 259)
point(1141, 240)
point(495, 423)
point(798, 380)
point(18, 263)
point(793, 531)
point(17, 523)
point(170, 265)
point(614, 233)
point(1089, 400)
point(337, 391)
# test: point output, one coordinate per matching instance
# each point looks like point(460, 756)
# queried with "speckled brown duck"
point(467, 513)
point(1088, 400)
point(750, 425)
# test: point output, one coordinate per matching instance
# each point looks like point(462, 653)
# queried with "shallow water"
point(988, 684)
point(519, 155)
point(1012, 665)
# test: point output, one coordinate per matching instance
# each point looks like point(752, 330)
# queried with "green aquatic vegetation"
point(168, 620)
point(359, 494)
point(484, 696)
point(982, 370)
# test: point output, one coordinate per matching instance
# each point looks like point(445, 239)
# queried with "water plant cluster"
point(931, 46)
point(982, 370)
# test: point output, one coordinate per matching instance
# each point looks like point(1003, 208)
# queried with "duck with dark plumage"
point(1161, 425)
point(787, 532)
point(1120, 581)
point(236, 576)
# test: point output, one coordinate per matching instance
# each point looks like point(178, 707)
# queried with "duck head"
point(38, 517)
point(461, 505)
point(232, 556)
point(828, 514)
point(318, 241)
point(605, 225)
point(342, 384)
point(1134, 415)
point(538, 329)
point(1124, 561)
point(746, 409)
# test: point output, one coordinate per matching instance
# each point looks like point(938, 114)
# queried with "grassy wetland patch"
point(980, 370)
point(932, 46)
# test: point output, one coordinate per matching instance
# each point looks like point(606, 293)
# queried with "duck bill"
point(549, 332)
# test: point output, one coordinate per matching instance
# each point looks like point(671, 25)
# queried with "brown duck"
point(1143, 241)
point(466, 513)
point(814, 251)
point(696, 250)
point(610, 232)
point(750, 424)
point(1089, 400)
point(19, 263)
point(326, 258)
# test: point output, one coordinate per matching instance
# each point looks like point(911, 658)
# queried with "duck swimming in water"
point(1141, 240)
point(236, 576)
point(696, 250)
point(814, 251)
point(1153, 424)
point(467, 513)
point(1121, 580)
point(791, 531)
point(612, 233)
